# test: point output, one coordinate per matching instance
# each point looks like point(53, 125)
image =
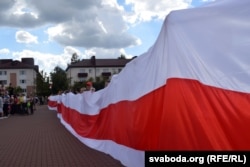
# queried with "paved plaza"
point(40, 140)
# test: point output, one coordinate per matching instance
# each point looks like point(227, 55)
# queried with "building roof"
point(26, 63)
point(99, 63)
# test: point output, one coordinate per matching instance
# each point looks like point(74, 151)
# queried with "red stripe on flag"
point(52, 103)
point(182, 115)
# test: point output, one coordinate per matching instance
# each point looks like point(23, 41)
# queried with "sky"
point(50, 31)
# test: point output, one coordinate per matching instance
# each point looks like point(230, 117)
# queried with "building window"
point(22, 81)
point(3, 72)
point(106, 74)
point(82, 75)
point(82, 70)
point(3, 82)
point(22, 72)
point(105, 70)
point(119, 70)
point(90, 71)
point(24, 90)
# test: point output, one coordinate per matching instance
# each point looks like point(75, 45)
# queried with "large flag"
point(189, 91)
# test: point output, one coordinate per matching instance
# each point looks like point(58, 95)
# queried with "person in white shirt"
point(89, 87)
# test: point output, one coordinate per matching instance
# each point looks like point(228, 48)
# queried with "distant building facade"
point(19, 73)
point(93, 68)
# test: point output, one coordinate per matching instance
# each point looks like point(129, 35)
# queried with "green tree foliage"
point(59, 80)
point(42, 84)
point(74, 58)
point(99, 85)
point(77, 86)
point(18, 90)
point(122, 56)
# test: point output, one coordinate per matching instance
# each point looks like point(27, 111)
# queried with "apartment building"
point(93, 68)
point(19, 73)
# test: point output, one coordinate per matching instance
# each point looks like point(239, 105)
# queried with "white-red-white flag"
point(190, 91)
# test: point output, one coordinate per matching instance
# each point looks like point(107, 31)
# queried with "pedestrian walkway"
point(40, 140)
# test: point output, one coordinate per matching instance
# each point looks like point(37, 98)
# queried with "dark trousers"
point(13, 109)
point(5, 109)
point(24, 109)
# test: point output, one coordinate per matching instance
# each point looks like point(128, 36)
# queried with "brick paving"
point(40, 140)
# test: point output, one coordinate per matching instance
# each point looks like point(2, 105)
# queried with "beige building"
point(93, 68)
point(19, 73)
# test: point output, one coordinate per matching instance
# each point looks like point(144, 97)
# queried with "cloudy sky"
point(50, 31)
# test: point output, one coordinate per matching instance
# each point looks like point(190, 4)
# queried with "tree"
point(59, 80)
point(122, 56)
point(77, 86)
point(42, 84)
point(18, 90)
point(74, 58)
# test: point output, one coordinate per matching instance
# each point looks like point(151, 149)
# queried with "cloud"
point(142, 11)
point(15, 13)
point(4, 51)
point(102, 53)
point(25, 37)
point(46, 61)
point(86, 27)
point(6, 4)
point(88, 23)
point(104, 28)
point(71, 50)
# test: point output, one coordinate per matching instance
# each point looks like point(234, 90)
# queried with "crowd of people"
point(11, 103)
point(88, 88)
